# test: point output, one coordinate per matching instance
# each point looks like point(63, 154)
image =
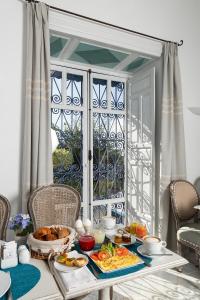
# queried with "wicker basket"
point(41, 249)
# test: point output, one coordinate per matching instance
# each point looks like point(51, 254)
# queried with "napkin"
point(81, 276)
point(8, 254)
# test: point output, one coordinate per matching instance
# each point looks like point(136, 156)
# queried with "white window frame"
point(66, 24)
point(108, 110)
point(84, 110)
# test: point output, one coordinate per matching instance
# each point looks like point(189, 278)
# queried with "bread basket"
point(41, 249)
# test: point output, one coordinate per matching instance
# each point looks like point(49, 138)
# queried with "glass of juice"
point(86, 242)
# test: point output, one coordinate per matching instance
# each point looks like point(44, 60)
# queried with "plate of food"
point(137, 230)
point(123, 238)
point(111, 258)
point(71, 261)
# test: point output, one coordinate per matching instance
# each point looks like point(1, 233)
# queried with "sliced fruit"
point(121, 251)
point(94, 256)
point(103, 255)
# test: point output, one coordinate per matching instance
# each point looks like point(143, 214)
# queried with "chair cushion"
point(190, 234)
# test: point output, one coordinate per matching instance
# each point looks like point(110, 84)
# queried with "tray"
point(118, 269)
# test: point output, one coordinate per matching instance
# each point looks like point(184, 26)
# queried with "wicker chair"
point(54, 204)
point(183, 199)
point(4, 216)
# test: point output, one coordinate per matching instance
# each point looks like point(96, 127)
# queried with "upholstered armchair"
point(183, 199)
point(4, 216)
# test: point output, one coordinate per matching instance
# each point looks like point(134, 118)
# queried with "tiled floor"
point(165, 285)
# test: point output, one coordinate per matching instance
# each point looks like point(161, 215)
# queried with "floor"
point(164, 285)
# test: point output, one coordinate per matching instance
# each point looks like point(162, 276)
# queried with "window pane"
point(98, 212)
point(99, 93)
point(118, 211)
point(56, 94)
point(108, 156)
point(118, 95)
point(74, 89)
point(67, 156)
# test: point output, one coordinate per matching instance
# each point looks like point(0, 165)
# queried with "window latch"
point(90, 155)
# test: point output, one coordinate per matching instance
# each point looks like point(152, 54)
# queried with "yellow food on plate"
point(61, 259)
point(80, 262)
point(118, 262)
point(69, 262)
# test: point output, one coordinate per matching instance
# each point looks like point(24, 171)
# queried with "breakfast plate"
point(62, 267)
point(133, 240)
point(121, 259)
point(5, 281)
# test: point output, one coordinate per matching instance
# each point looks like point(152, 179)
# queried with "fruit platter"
point(113, 257)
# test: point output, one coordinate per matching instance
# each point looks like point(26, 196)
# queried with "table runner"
point(23, 278)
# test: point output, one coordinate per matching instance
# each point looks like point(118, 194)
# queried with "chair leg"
point(179, 248)
point(179, 252)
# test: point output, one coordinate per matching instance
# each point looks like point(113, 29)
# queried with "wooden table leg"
point(106, 293)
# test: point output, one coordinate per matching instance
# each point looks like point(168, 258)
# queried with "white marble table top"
point(48, 289)
point(158, 263)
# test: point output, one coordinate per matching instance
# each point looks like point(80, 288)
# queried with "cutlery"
point(96, 274)
point(159, 254)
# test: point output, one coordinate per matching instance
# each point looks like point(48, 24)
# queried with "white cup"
point(109, 222)
point(153, 244)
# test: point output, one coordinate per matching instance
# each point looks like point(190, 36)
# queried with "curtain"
point(37, 167)
point(172, 148)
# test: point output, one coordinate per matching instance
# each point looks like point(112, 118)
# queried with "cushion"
point(190, 233)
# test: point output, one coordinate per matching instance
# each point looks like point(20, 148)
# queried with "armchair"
point(4, 216)
point(54, 204)
point(183, 199)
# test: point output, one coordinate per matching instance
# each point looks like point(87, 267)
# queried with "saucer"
point(143, 252)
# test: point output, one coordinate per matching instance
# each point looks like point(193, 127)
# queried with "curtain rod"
point(109, 24)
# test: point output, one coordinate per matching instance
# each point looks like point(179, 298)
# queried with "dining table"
point(53, 286)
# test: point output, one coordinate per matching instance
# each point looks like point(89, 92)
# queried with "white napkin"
point(73, 279)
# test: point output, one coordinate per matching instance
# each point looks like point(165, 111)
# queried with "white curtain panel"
point(37, 167)
point(172, 156)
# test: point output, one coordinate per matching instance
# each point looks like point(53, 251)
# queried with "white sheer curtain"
point(172, 148)
point(37, 167)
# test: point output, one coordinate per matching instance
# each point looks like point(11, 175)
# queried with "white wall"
point(171, 19)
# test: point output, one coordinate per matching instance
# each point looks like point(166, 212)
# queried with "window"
point(89, 119)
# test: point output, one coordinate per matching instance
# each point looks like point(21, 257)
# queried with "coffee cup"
point(108, 222)
point(153, 244)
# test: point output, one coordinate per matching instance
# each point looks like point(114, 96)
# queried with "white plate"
point(143, 252)
point(5, 282)
point(133, 240)
point(64, 268)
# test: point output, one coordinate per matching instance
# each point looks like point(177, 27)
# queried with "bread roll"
point(63, 232)
point(51, 237)
point(43, 231)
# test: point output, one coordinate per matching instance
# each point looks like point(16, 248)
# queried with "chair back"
point(183, 199)
point(55, 204)
point(4, 216)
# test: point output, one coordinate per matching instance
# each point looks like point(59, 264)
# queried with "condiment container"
point(24, 254)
